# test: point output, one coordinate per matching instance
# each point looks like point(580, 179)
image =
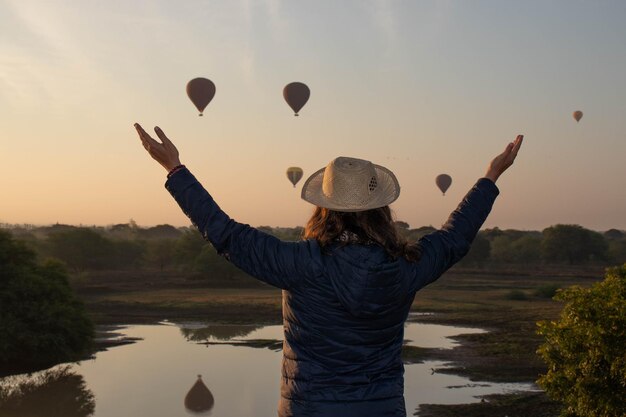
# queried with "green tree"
point(572, 244)
point(617, 251)
point(187, 248)
point(161, 231)
point(502, 249)
point(159, 252)
point(614, 234)
point(584, 349)
point(81, 248)
point(524, 249)
point(41, 320)
point(479, 251)
point(213, 267)
point(125, 254)
point(617, 245)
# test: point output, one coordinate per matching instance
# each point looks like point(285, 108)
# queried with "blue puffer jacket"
point(343, 311)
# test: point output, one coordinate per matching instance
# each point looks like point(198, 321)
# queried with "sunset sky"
point(421, 87)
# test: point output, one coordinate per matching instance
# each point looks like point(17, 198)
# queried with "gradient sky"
point(422, 87)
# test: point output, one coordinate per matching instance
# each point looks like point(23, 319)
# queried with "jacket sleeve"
point(445, 247)
point(265, 257)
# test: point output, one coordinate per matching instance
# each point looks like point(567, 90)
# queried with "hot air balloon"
point(577, 115)
point(199, 399)
point(200, 92)
point(443, 181)
point(296, 94)
point(294, 174)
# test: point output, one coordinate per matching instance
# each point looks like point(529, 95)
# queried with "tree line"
point(169, 248)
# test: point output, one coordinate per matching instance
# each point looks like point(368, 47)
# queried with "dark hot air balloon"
point(443, 181)
point(200, 92)
point(578, 115)
point(294, 174)
point(296, 94)
point(199, 399)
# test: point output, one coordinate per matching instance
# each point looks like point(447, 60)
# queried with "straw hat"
point(350, 184)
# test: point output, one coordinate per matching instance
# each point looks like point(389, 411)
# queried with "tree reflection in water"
point(225, 334)
point(54, 393)
point(217, 331)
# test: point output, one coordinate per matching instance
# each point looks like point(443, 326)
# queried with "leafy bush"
point(517, 295)
point(41, 320)
point(547, 291)
point(584, 349)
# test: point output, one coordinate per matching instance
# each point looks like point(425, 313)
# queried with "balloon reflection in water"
point(199, 399)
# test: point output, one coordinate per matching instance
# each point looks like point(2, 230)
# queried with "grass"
point(416, 354)
point(219, 305)
point(510, 405)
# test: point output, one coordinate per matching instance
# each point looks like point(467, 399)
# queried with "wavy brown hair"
point(376, 226)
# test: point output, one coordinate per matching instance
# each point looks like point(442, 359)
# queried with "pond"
point(239, 368)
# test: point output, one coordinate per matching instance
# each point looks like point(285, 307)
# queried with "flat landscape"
point(505, 301)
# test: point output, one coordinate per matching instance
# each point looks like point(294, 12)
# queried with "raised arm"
point(445, 247)
point(281, 264)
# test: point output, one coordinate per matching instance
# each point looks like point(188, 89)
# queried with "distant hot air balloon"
point(443, 181)
point(296, 94)
point(294, 174)
point(200, 92)
point(199, 399)
point(577, 115)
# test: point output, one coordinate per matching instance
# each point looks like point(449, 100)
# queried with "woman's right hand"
point(164, 153)
point(500, 163)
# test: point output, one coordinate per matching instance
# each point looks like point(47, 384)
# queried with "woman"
point(348, 286)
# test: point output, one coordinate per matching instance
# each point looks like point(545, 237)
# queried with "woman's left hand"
point(164, 153)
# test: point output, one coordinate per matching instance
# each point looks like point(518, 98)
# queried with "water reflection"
point(153, 376)
point(215, 332)
point(235, 335)
point(199, 399)
point(58, 392)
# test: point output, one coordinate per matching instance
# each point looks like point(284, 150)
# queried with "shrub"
point(584, 349)
point(517, 295)
point(547, 291)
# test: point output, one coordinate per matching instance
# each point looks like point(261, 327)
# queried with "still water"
point(240, 369)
